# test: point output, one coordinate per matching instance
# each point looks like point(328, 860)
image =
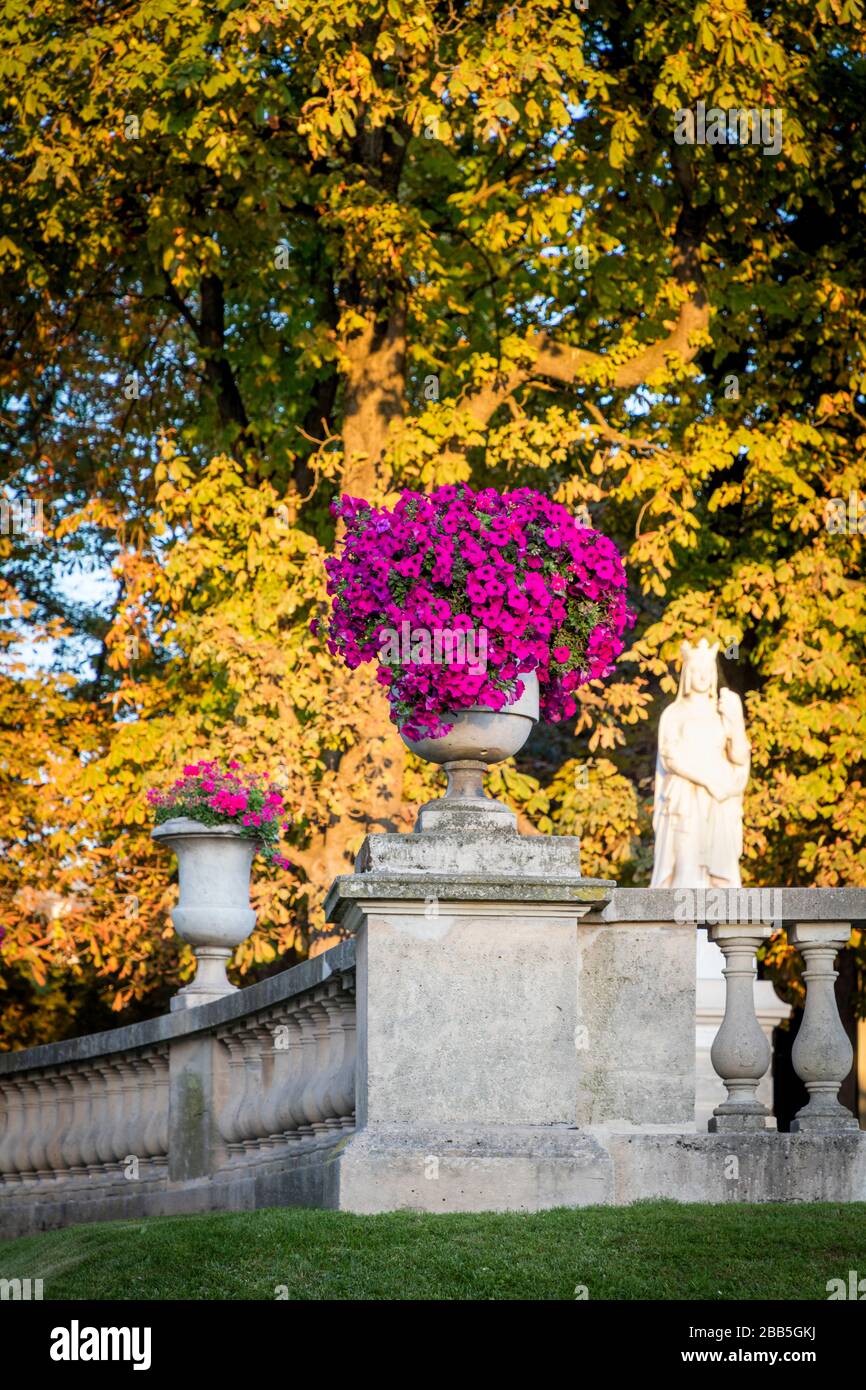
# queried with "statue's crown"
point(700, 649)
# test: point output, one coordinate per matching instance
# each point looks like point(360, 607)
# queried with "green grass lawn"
point(653, 1250)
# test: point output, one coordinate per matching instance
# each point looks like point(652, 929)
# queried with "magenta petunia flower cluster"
point(215, 795)
point(516, 569)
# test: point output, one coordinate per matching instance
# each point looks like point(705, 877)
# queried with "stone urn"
point(480, 736)
point(213, 913)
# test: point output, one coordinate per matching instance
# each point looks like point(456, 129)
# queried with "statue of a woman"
point(701, 774)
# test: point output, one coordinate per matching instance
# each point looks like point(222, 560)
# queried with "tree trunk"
point(374, 408)
point(374, 400)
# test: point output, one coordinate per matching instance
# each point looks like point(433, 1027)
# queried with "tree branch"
point(568, 365)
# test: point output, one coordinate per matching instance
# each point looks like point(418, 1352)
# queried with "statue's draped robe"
point(698, 840)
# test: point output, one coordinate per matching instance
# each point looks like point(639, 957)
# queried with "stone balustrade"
point(525, 1038)
point(526, 1035)
point(219, 1105)
point(822, 1053)
point(80, 1124)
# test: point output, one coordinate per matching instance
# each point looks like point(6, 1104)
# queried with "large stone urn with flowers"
point(485, 611)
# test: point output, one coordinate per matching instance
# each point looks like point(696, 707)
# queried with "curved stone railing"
point(212, 1106)
point(81, 1122)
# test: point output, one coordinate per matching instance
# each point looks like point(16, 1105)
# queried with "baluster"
point(256, 1039)
point(29, 1122)
point(292, 1113)
point(41, 1116)
point(822, 1053)
point(78, 1124)
point(142, 1118)
point(147, 1116)
point(95, 1081)
point(13, 1104)
point(5, 1118)
point(276, 1108)
point(59, 1107)
point(314, 1098)
point(740, 1053)
point(337, 1094)
point(229, 1117)
point(343, 1090)
point(305, 1071)
point(74, 1140)
point(126, 1132)
point(105, 1145)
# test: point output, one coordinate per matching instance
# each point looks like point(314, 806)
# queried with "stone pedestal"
point(505, 1024)
point(467, 981)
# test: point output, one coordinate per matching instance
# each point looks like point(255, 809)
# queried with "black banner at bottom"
point(58, 1340)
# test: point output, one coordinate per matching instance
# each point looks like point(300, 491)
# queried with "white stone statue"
point(701, 775)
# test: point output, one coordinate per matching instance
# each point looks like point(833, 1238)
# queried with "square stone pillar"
point(511, 1015)
point(467, 981)
point(467, 1015)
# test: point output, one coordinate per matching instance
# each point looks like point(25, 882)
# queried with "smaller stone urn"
point(213, 913)
point(480, 736)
